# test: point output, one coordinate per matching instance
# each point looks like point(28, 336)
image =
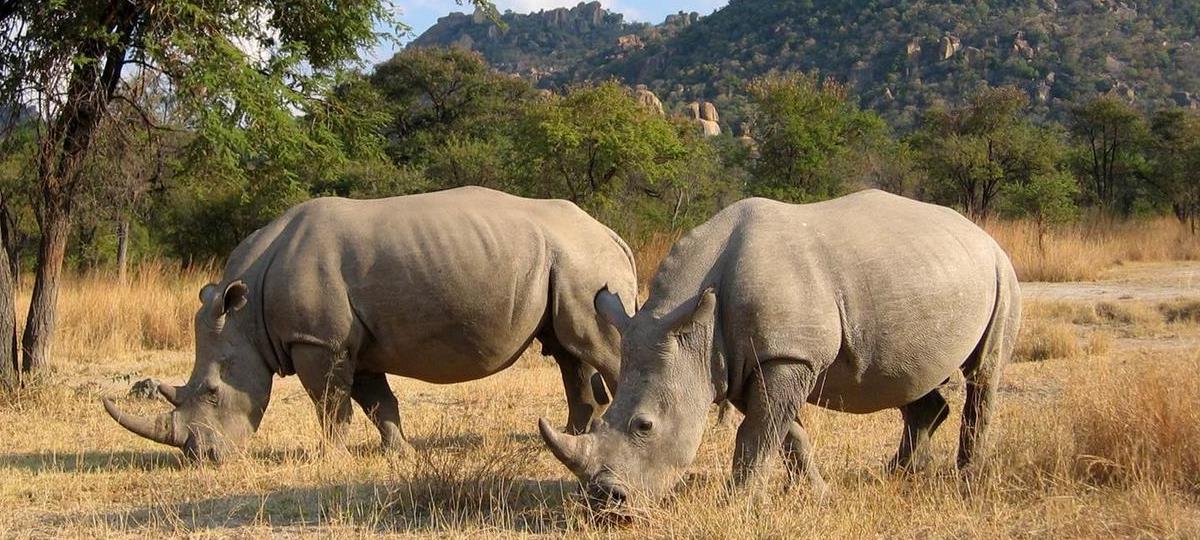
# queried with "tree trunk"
point(9, 356)
point(40, 323)
point(122, 249)
point(8, 322)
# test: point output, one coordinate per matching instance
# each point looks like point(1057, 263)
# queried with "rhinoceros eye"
point(642, 425)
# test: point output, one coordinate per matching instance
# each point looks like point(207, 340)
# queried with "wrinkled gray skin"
point(859, 304)
point(443, 287)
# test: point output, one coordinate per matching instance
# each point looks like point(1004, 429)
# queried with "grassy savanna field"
point(1098, 430)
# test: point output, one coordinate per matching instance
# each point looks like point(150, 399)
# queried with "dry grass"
point(153, 311)
point(1100, 438)
point(649, 254)
point(1080, 252)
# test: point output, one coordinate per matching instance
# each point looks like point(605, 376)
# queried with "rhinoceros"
point(442, 287)
point(867, 302)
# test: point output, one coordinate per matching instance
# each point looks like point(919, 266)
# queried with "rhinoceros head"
point(225, 398)
point(651, 431)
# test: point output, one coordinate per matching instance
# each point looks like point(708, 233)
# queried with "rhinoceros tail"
point(986, 364)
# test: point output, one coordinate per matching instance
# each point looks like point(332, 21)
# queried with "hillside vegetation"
point(899, 56)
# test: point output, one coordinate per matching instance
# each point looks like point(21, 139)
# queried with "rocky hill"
point(899, 56)
point(535, 45)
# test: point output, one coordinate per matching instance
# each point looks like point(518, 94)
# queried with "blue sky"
point(421, 14)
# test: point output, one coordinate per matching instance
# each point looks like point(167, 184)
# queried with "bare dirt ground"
point(1144, 282)
point(1060, 465)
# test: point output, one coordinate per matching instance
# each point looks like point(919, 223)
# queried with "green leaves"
point(594, 142)
point(807, 130)
point(973, 152)
point(1110, 135)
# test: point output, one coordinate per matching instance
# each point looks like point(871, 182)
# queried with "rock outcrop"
point(681, 19)
point(1022, 47)
point(706, 115)
point(913, 48)
point(747, 140)
point(1042, 89)
point(630, 42)
point(647, 99)
point(948, 47)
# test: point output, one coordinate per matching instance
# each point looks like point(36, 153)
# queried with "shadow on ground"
point(46, 462)
point(520, 505)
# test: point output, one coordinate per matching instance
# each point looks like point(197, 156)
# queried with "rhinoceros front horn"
point(160, 429)
point(572, 450)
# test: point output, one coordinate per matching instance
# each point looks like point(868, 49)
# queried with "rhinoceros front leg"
point(372, 393)
point(327, 377)
point(772, 401)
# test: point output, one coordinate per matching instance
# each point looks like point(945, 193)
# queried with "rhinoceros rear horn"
point(612, 308)
point(572, 450)
point(160, 429)
point(171, 393)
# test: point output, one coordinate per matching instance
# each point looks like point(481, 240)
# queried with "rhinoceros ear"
point(705, 312)
point(609, 305)
point(235, 296)
point(233, 299)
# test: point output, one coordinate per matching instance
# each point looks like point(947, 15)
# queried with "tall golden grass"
point(1103, 448)
point(1081, 251)
point(98, 316)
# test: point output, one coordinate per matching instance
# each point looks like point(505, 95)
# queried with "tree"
point(806, 130)
point(972, 151)
point(432, 96)
point(128, 163)
point(1110, 134)
point(1047, 198)
point(590, 144)
point(1175, 153)
point(17, 154)
point(241, 70)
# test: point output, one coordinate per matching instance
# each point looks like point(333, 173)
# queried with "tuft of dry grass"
point(1081, 251)
point(1045, 340)
point(649, 254)
point(1142, 425)
point(1181, 311)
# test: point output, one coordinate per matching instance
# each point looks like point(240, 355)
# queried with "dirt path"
point(1133, 281)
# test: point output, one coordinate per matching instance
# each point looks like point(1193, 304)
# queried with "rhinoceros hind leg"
point(921, 418)
point(983, 371)
point(798, 456)
point(327, 378)
point(372, 393)
point(587, 396)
